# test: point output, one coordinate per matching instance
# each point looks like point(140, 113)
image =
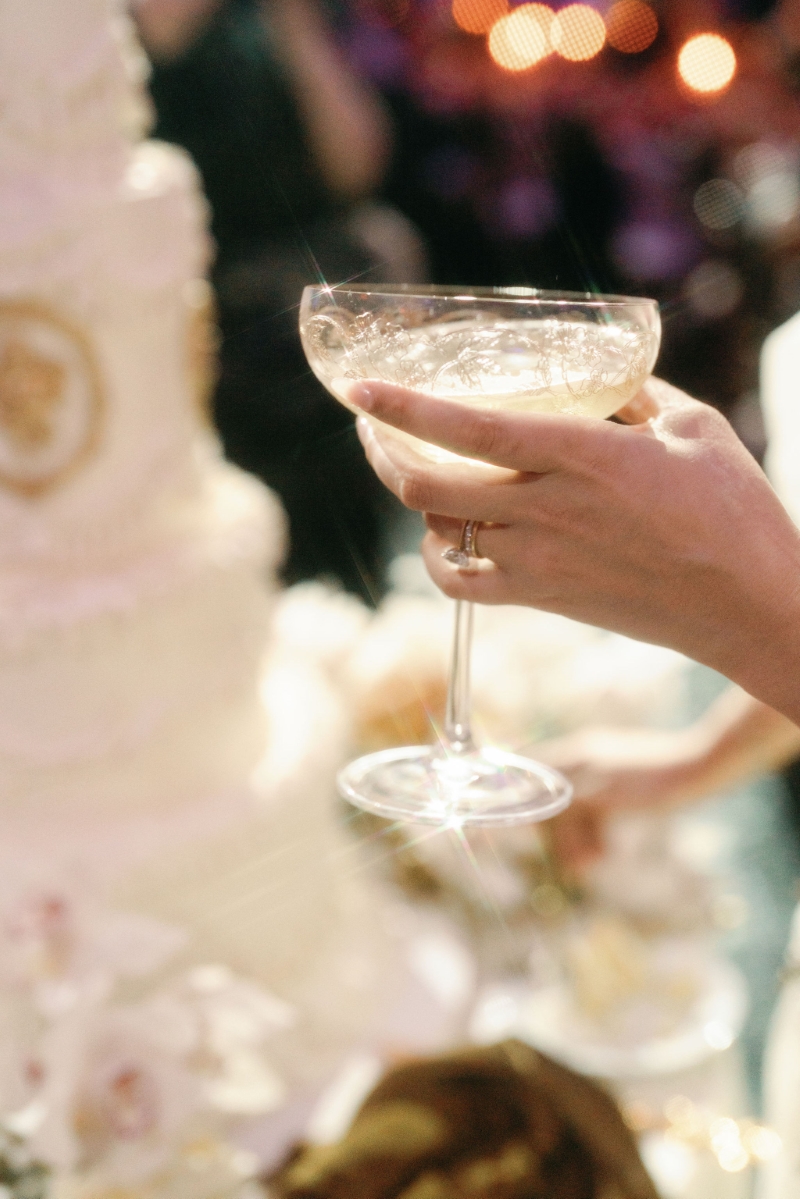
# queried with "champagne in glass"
point(513, 349)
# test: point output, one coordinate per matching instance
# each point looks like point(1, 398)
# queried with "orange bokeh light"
point(631, 26)
point(578, 32)
point(478, 16)
point(521, 39)
point(707, 63)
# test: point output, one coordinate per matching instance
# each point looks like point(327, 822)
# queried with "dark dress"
point(228, 101)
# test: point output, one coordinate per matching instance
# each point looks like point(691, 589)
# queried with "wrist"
point(687, 774)
point(762, 653)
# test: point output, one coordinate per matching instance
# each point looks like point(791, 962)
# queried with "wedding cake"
point(153, 736)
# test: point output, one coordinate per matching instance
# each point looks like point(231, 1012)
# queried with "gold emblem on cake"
point(30, 388)
point(50, 398)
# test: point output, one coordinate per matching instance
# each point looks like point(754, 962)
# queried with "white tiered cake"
point(146, 735)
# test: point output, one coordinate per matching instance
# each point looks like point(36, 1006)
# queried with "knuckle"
point(414, 491)
point(443, 525)
point(595, 462)
point(452, 584)
point(485, 434)
point(548, 568)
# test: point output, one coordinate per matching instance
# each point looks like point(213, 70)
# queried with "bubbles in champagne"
point(533, 365)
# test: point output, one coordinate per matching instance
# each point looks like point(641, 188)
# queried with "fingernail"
point(362, 396)
point(363, 429)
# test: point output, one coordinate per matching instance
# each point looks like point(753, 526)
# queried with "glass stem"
point(457, 730)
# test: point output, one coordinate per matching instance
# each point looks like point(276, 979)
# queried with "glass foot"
point(425, 785)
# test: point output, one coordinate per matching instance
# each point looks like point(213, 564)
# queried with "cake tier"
point(135, 689)
point(257, 872)
point(72, 98)
point(105, 361)
point(258, 878)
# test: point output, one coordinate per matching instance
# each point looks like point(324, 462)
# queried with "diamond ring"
point(466, 549)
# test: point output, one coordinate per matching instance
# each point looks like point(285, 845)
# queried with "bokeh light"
point(719, 204)
point(707, 63)
point(764, 1143)
point(578, 32)
point(521, 39)
point(726, 1142)
point(478, 16)
point(769, 175)
point(631, 26)
point(714, 289)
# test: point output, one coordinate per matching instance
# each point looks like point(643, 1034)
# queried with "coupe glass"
point(506, 348)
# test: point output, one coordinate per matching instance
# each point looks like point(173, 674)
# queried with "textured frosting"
point(150, 728)
point(103, 252)
point(136, 566)
point(73, 102)
point(114, 307)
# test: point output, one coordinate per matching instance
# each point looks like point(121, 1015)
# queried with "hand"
point(666, 530)
point(614, 770)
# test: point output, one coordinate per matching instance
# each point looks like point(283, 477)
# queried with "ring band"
point(469, 538)
point(467, 548)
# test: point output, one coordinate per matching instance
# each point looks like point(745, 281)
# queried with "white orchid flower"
point(115, 1101)
point(58, 943)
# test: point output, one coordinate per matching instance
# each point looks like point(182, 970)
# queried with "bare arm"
point(346, 123)
point(737, 737)
point(618, 769)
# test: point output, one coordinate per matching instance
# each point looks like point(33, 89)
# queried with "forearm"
point(346, 123)
point(737, 738)
point(618, 768)
point(757, 641)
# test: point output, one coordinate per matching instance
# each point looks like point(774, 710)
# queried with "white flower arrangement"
point(102, 1096)
point(534, 674)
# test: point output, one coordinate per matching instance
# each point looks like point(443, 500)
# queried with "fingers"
point(530, 442)
point(526, 443)
point(676, 411)
point(477, 490)
point(463, 491)
point(487, 542)
point(666, 397)
point(449, 529)
point(576, 836)
point(643, 407)
point(481, 583)
point(659, 402)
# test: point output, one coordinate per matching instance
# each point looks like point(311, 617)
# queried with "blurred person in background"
point(289, 143)
point(607, 174)
point(616, 769)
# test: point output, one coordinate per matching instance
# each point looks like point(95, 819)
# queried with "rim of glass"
point(522, 294)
